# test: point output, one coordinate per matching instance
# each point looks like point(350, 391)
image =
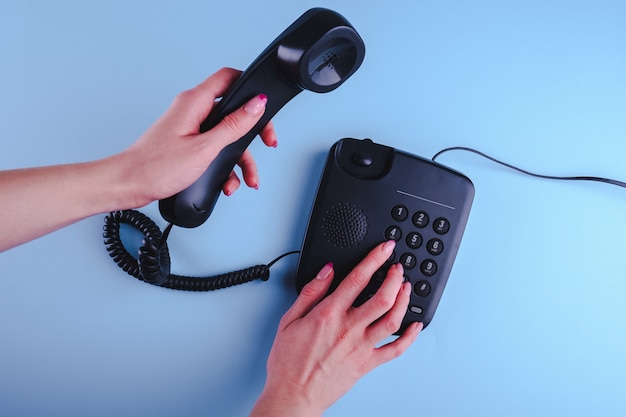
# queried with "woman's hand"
point(324, 345)
point(165, 160)
point(172, 154)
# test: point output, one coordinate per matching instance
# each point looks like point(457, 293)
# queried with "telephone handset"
point(318, 52)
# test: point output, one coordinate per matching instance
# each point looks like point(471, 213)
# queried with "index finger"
point(356, 281)
point(195, 104)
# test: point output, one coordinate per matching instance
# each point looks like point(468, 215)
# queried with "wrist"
point(122, 189)
point(275, 404)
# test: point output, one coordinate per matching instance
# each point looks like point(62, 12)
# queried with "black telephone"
point(369, 193)
point(318, 52)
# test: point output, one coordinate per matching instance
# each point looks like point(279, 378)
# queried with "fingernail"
point(325, 271)
point(388, 246)
point(255, 105)
point(400, 268)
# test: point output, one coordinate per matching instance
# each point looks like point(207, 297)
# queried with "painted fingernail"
point(325, 271)
point(388, 246)
point(255, 105)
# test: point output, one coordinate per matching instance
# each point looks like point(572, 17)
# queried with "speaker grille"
point(330, 59)
point(344, 225)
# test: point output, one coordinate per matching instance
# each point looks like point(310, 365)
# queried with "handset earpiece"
point(317, 52)
point(322, 56)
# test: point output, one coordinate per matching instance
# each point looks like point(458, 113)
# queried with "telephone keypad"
point(416, 257)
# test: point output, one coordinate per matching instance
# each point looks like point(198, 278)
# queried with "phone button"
point(416, 309)
point(362, 159)
point(422, 288)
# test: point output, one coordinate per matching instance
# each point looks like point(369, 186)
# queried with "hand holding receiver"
point(318, 52)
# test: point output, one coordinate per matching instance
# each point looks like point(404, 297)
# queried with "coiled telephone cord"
point(153, 263)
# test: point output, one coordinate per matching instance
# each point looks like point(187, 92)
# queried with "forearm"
point(37, 201)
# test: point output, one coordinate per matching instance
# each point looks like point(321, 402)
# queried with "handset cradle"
point(318, 52)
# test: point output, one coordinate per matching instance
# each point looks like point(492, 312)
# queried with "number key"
point(420, 219)
point(393, 232)
point(414, 240)
point(428, 267)
point(441, 226)
point(399, 213)
point(408, 260)
point(434, 246)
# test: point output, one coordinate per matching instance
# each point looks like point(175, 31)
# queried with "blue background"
point(533, 321)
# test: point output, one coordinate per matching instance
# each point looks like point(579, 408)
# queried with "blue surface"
point(533, 321)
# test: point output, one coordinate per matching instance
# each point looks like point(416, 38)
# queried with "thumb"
point(311, 294)
point(236, 124)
